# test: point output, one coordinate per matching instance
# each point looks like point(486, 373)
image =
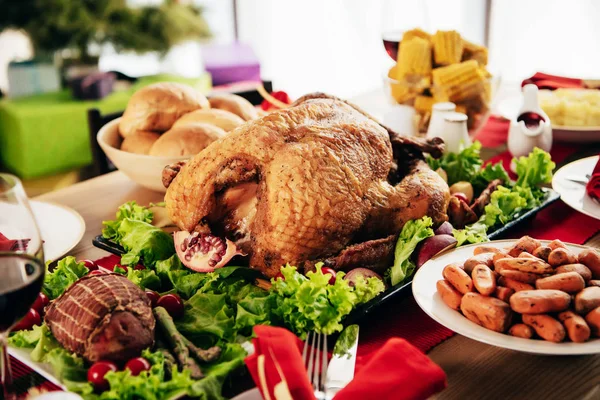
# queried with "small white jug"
point(531, 127)
point(455, 132)
point(436, 123)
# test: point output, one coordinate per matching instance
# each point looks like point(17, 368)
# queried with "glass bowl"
point(471, 98)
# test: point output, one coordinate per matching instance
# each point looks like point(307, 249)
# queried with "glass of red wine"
point(21, 266)
point(399, 16)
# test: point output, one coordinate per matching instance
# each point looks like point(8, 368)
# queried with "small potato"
point(594, 282)
point(542, 252)
point(539, 301)
point(591, 259)
point(560, 256)
point(504, 293)
point(577, 329)
point(581, 269)
point(521, 330)
point(546, 327)
point(570, 282)
point(449, 295)
point(526, 264)
point(557, 244)
point(593, 320)
point(486, 249)
point(514, 284)
point(483, 280)
point(484, 258)
point(520, 276)
point(458, 278)
point(587, 299)
point(499, 256)
point(525, 244)
point(488, 312)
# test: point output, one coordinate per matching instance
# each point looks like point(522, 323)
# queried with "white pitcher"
point(455, 132)
point(436, 123)
point(531, 127)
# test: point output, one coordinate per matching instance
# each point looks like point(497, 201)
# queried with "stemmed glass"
point(400, 16)
point(21, 266)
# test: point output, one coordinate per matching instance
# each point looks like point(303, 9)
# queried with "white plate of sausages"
point(551, 309)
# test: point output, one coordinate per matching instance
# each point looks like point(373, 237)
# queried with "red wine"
point(391, 42)
point(22, 278)
point(532, 120)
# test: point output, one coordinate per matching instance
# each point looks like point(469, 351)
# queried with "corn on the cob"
point(413, 33)
point(423, 103)
point(457, 82)
point(472, 51)
point(447, 47)
point(403, 92)
point(414, 58)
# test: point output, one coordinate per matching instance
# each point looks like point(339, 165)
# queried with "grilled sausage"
point(593, 320)
point(542, 252)
point(570, 282)
point(504, 293)
point(514, 285)
point(539, 301)
point(587, 299)
point(525, 244)
point(525, 264)
point(581, 269)
point(577, 329)
point(484, 280)
point(488, 312)
point(561, 256)
point(458, 278)
point(591, 259)
point(546, 327)
point(450, 296)
point(521, 330)
point(484, 258)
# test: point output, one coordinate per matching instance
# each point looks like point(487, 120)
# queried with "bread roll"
point(139, 142)
point(186, 140)
point(221, 118)
point(235, 104)
point(156, 107)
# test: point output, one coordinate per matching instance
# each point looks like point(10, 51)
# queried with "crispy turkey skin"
point(304, 183)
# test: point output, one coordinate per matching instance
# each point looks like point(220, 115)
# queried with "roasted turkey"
point(319, 181)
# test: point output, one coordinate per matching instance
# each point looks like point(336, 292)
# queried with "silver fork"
point(315, 361)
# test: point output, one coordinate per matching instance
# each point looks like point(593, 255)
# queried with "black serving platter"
point(394, 292)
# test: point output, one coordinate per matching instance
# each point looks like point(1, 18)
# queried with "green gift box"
point(48, 133)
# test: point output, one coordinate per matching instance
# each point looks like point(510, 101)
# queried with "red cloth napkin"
point(547, 81)
point(5, 243)
point(397, 371)
point(593, 186)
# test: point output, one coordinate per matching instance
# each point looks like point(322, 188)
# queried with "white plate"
point(424, 290)
point(43, 369)
point(61, 228)
point(509, 107)
point(574, 193)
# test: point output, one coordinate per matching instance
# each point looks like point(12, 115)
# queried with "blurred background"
point(53, 51)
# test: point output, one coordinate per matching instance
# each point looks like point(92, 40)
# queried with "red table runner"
point(402, 317)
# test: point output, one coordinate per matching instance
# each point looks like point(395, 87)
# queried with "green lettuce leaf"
point(66, 272)
point(142, 240)
point(488, 174)
point(504, 205)
point(310, 303)
point(207, 319)
point(144, 278)
point(535, 169)
point(130, 210)
point(367, 289)
point(412, 233)
point(474, 233)
point(462, 166)
point(28, 338)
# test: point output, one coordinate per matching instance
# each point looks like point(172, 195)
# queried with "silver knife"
point(341, 367)
point(578, 179)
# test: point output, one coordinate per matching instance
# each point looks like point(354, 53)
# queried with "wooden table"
point(475, 370)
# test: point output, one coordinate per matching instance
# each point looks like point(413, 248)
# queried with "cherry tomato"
point(461, 196)
point(92, 266)
point(97, 272)
point(279, 276)
point(153, 296)
point(98, 371)
point(172, 303)
point(40, 302)
point(137, 365)
point(138, 267)
point(327, 270)
point(28, 321)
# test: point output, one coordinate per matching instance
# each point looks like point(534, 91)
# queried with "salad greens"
point(130, 210)
point(462, 166)
point(66, 272)
point(412, 233)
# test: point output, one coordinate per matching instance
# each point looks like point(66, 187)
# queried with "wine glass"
point(398, 17)
point(21, 266)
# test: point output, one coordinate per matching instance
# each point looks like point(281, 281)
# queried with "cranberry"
point(97, 372)
point(153, 296)
point(137, 365)
point(28, 321)
point(98, 272)
point(89, 264)
point(172, 303)
point(327, 270)
point(40, 302)
point(139, 267)
point(461, 196)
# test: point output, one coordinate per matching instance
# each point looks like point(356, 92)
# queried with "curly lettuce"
point(412, 234)
point(143, 240)
point(462, 166)
point(66, 273)
point(130, 210)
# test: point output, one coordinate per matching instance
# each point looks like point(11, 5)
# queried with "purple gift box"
point(228, 63)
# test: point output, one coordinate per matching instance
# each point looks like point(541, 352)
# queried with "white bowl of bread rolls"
point(165, 123)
